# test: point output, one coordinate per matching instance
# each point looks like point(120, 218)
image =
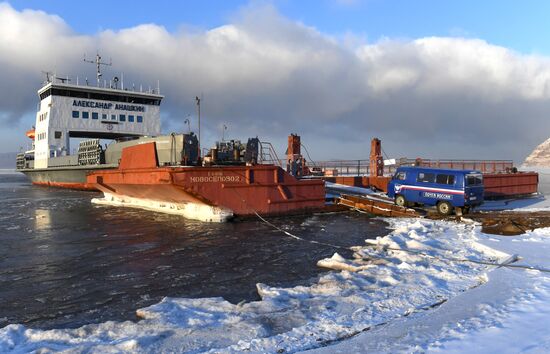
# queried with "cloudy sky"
point(430, 78)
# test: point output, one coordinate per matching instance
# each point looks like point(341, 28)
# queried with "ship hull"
point(70, 177)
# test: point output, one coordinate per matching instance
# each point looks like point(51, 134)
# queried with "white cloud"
point(266, 75)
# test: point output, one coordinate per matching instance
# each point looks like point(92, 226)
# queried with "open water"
point(65, 262)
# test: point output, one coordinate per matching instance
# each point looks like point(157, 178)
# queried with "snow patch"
point(540, 156)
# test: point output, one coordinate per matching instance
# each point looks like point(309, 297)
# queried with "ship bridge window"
point(76, 114)
point(104, 116)
point(45, 94)
point(140, 119)
point(85, 115)
point(95, 115)
point(130, 118)
point(58, 135)
point(122, 118)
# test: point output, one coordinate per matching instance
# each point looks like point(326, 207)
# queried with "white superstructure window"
point(42, 117)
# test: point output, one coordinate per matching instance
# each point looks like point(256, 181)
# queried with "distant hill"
point(7, 160)
point(540, 156)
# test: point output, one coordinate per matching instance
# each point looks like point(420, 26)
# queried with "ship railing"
point(362, 167)
point(268, 154)
point(485, 166)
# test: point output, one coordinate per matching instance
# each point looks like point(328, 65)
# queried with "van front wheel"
point(400, 201)
point(444, 208)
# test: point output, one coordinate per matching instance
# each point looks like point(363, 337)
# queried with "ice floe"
point(201, 212)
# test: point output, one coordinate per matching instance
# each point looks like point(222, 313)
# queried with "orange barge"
point(212, 193)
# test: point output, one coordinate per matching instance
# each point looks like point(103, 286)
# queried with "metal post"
point(198, 100)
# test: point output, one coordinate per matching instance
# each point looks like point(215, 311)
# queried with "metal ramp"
point(376, 205)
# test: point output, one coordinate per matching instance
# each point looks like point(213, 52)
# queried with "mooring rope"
point(298, 237)
point(283, 230)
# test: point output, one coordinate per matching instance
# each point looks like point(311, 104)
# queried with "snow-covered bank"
point(383, 287)
point(533, 203)
point(507, 314)
point(518, 323)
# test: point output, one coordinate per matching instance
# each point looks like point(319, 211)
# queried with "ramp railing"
point(268, 154)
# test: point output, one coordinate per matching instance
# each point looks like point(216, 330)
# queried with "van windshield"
point(400, 176)
point(474, 180)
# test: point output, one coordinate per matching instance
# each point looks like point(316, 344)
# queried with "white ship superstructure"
point(89, 113)
point(78, 111)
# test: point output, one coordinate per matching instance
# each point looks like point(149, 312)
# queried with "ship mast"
point(98, 62)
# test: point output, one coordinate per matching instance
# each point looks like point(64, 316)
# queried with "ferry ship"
point(69, 111)
point(144, 169)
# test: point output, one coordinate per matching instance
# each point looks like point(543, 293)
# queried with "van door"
point(425, 181)
point(448, 191)
point(473, 189)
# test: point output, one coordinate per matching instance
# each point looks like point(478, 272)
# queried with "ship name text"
point(108, 105)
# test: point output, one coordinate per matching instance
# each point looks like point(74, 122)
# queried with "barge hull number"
point(214, 179)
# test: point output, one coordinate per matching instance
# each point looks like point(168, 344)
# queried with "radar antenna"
point(98, 62)
point(63, 79)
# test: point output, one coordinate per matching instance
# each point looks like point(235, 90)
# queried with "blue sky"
point(519, 25)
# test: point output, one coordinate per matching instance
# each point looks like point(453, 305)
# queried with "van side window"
point(445, 179)
point(426, 177)
point(400, 176)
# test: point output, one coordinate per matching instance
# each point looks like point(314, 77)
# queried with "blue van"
point(445, 189)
